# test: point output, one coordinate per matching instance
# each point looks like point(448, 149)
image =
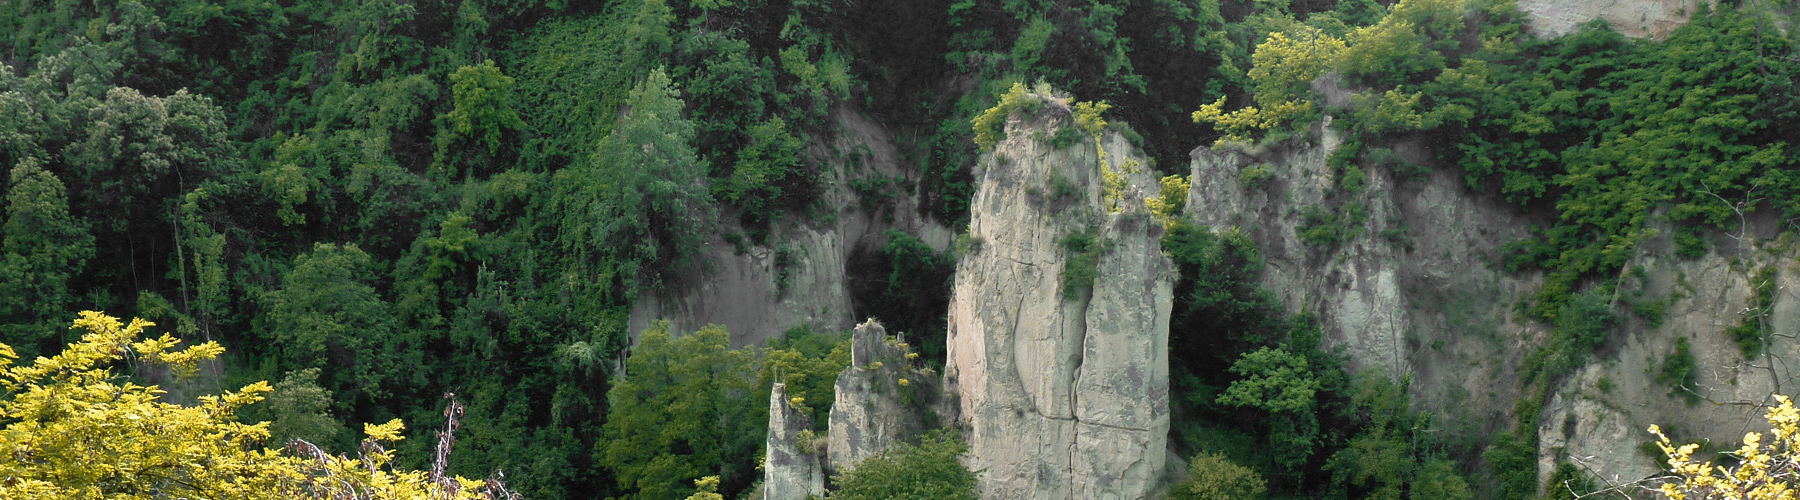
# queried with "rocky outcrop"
point(1417, 291)
point(799, 277)
point(791, 465)
point(881, 398)
point(1062, 395)
point(1634, 18)
point(1612, 401)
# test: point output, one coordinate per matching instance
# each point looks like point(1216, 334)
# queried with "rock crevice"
point(1062, 394)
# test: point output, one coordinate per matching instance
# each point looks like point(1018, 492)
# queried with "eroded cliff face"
point(1061, 395)
point(1418, 292)
point(799, 278)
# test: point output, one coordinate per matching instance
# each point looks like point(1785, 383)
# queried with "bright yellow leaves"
point(1087, 116)
point(1402, 47)
point(1283, 67)
point(77, 430)
point(990, 125)
point(1166, 206)
point(1766, 471)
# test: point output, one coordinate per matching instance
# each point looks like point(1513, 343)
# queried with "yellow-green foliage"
point(1168, 203)
point(1113, 181)
point(990, 125)
point(80, 431)
point(1409, 41)
point(1211, 476)
point(706, 488)
point(1087, 116)
point(1391, 110)
point(1282, 68)
point(1764, 471)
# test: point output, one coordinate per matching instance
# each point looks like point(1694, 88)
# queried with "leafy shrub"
point(930, 469)
point(1513, 460)
point(1253, 175)
point(1281, 69)
point(968, 244)
point(1328, 229)
point(1400, 236)
point(1680, 371)
point(990, 125)
point(1084, 249)
point(770, 175)
point(1353, 179)
point(1763, 468)
point(1211, 476)
point(1752, 327)
point(1170, 199)
point(1061, 188)
point(1065, 137)
point(1581, 326)
point(1690, 242)
point(1087, 116)
point(1282, 384)
point(1653, 312)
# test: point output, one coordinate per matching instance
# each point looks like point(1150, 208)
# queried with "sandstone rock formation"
point(1062, 395)
point(880, 399)
point(791, 466)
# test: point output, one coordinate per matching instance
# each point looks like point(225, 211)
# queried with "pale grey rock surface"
point(873, 408)
point(791, 468)
point(1061, 397)
point(1420, 292)
point(1634, 18)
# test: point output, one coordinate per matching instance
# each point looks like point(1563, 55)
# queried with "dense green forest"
point(371, 203)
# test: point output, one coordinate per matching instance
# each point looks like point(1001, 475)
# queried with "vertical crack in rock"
point(1061, 397)
point(791, 465)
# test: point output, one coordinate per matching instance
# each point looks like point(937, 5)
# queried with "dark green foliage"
point(1569, 483)
point(483, 100)
point(327, 314)
point(1513, 460)
point(930, 469)
point(1690, 242)
point(1065, 137)
point(1083, 263)
point(1330, 229)
point(770, 177)
point(1353, 179)
point(1399, 236)
point(641, 203)
point(1577, 122)
point(41, 247)
point(1062, 190)
point(1258, 384)
point(1653, 312)
point(1752, 329)
point(906, 285)
point(1581, 326)
point(1281, 384)
point(1680, 372)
